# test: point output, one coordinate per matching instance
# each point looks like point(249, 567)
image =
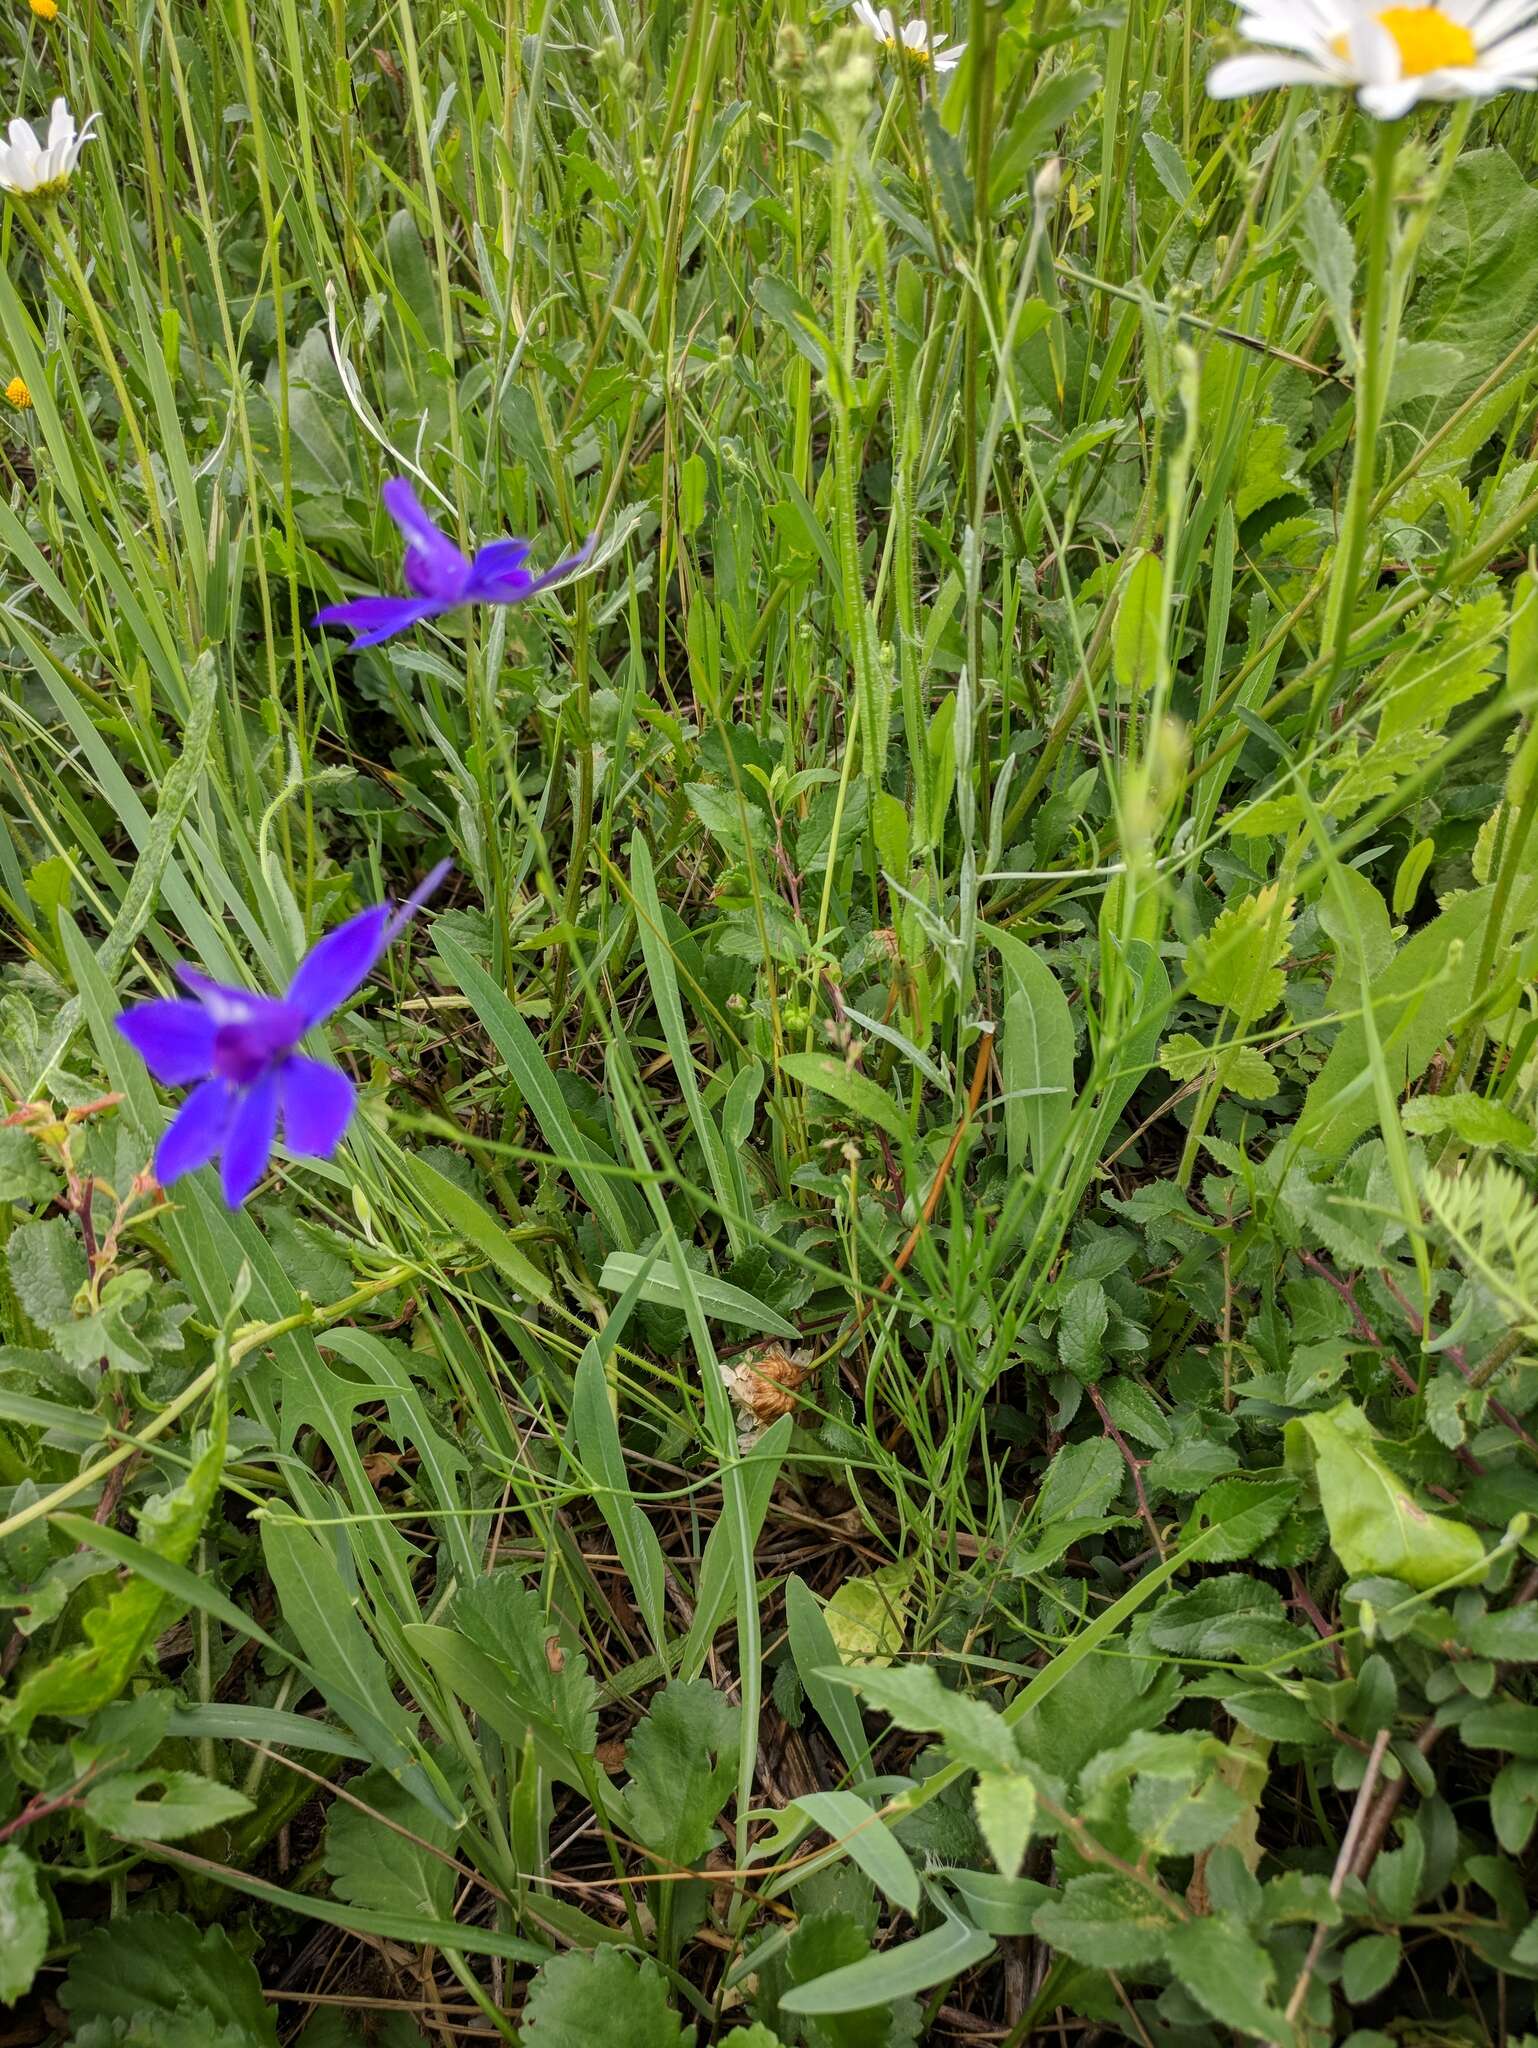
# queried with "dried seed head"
point(763, 1383)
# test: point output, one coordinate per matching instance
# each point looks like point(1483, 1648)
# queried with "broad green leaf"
point(1509, 1637)
point(162, 1806)
point(1228, 1973)
point(1237, 964)
point(1514, 1804)
point(1137, 648)
point(914, 1697)
point(682, 1760)
point(1233, 1518)
point(1005, 1803)
point(374, 1866)
point(867, 1616)
point(1084, 1320)
point(479, 1226)
point(1035, 1053)
point(159, 1962)
point(1376, 1525)
point(1108, 1922)
point(23, 1923)
point(718, 1298)
point(858, 1096)
point(603, 2000)
point(1368, 1967)
point(816, 1654)
point(120, 1631)
point(867, 1841)
point(895, 1973)
point(47, 1268)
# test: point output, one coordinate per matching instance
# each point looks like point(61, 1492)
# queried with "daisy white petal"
point(38, 168)
point(1237, 76)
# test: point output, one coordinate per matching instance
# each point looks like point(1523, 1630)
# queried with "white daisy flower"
point(42, 169)
point(1391, 56)
point(912, 40)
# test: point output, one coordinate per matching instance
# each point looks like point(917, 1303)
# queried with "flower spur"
point(242, 1051)
point(440, 576)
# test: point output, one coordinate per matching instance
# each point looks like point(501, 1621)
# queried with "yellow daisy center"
point(45, 10)
point(17, 394)
point(1427, 40)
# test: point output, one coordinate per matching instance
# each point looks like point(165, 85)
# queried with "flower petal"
point(197, 1131)
point(498, 574)
point(338, 965)
point(563, 569)
point(227, 1005)
point(1236, 76)
point(373, 619)
point(174, 1038)
point(248, 1147)
point(317, 1104)
point(434, 566)
point(429, 885)
point(1386, 102)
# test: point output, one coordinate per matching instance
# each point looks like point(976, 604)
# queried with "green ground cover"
point(907, 1411)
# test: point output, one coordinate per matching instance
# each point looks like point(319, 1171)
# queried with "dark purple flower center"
point(439, 573)
point(242, 1051)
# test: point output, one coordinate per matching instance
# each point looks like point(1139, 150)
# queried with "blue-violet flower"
point(442, 578)
point(241, 1050)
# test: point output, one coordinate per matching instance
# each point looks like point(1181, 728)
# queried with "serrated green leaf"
point(162, 1962)
point(1108, 1922)
point(48, 1269)
point(1228, 1973)
point(383, 1868)
point(1237, 964)
point(682, 1760)
point(1085, 1317)
point(1470, 1118)
point(1233, 1518)
point(582, 2001)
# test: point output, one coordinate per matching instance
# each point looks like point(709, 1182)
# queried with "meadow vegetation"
point(896, 1400)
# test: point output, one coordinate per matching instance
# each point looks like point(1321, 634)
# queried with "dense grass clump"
point(869, 1376)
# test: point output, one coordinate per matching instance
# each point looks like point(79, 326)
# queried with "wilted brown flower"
point(763, 1383)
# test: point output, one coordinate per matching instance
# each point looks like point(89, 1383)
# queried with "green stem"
point(248, 1340)
point(1375, 350)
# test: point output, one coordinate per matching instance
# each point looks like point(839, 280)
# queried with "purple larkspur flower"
point(242, 1052)
point(442, 578)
